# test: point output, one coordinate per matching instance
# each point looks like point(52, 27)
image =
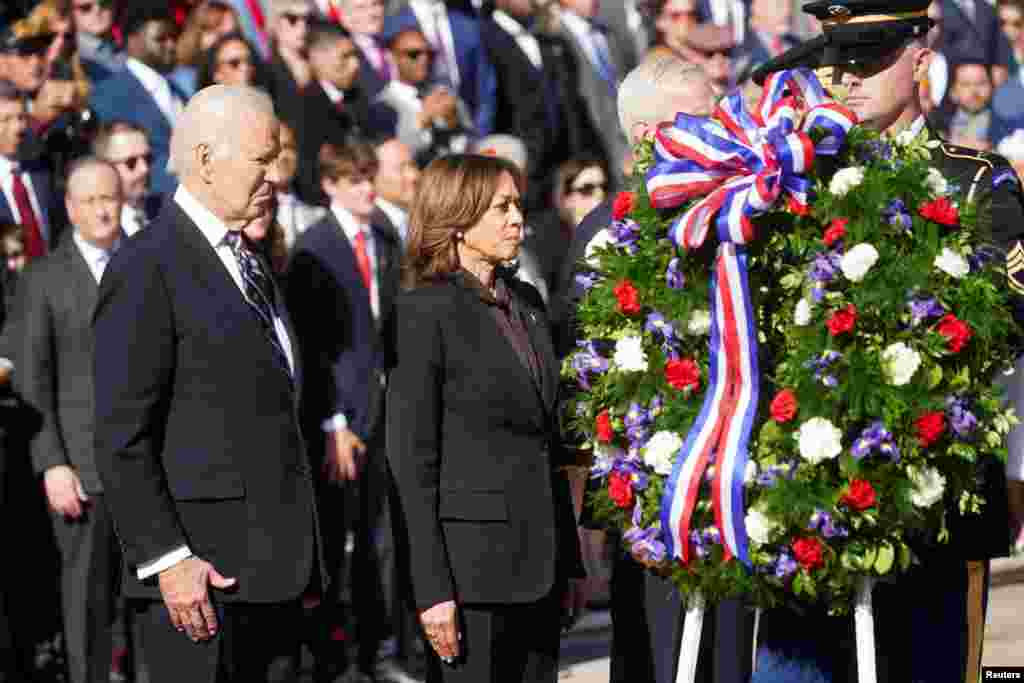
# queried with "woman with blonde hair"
point(483, 512)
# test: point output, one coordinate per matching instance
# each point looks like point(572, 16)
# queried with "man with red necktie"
point(342, 284)
point(27, 194)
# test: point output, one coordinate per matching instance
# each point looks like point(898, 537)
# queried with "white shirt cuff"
point(6, 364)
point(336, 423)
point(144, 571)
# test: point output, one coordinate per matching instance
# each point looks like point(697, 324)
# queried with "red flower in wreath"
point(604, 427)
point(842, 321)
point(622, 205)
point(860, 495)
point(682, 374)
point(941, 211)
point(930, 427)
point(836, 231)
point(628, 297)
point(809, 553)
point(620, 489)
point(956, 332)
point(784, 406)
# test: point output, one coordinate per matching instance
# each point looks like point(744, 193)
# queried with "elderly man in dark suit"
point(198, 443)
point(341, 291)
point(54, 349)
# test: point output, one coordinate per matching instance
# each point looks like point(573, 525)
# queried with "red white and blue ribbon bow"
point(742, 164)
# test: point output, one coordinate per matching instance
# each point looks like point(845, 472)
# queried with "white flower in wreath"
point(937, 182)
point(929, 485)
point(629, 355)
point(660, 452)
point(750, 473)
point(899, 363)
point(905, 138)
point(845, 180)
point(856, 263)
point(699, 323)
point(601, 240)
point(819, 440)
point(802, 314)
point(759, 526)
point(952, 263)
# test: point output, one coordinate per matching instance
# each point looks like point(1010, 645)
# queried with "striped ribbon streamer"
point(742, 164)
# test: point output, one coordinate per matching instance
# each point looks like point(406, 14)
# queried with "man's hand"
point(64, 491)
point(344, 457)
point(441, 625)
point(186, 594)
point(573, 602)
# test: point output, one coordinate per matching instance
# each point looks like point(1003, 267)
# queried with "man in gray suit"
point(54, 344)
point(600, 60)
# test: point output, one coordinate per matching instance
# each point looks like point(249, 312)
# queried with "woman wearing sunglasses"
point(231, 60)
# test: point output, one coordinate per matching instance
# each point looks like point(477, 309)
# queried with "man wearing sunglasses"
point(93, 21)
point(125, 146)
point(428, 117)
point(931, 622)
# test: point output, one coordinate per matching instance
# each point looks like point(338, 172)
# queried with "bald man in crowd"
point(647, 611)
point(54, 346)
point(197, 437)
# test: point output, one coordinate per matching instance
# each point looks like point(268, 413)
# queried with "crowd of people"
point(105, 132)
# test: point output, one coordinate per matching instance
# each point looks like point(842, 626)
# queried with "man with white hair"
point(647, 612)
point(197, 438)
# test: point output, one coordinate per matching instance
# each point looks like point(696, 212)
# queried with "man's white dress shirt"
point(8, 167)
point(95, 257)
point(132, 219)
point(432, 16)
point(215, 232)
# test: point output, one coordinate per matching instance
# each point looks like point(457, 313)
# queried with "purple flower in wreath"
point(661, 328)
point(923, 309)
point(632, 467)
point(897, 215)
point(768, 476)
point(961, 419)
point(875, 438)
point(825, 267)
point(625, 233)
point(785, 565)
point(605, 461)
point(588, 363)
point(638, 422)
point(645, 543)
point(874, 150)
point(700, 546)
point(674, 277)
point(821, 366)
point(981, 257)
point(656, 405)
point(823, 522)
point(586, 281)
point(712, 536)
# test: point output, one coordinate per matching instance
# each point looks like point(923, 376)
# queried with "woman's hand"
point(441, 625)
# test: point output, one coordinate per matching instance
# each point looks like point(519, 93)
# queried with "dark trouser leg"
point(254, 644)
point(89, 559)
point(367, 586)
point(631, 657)
point(321, 624)
point(504, 644)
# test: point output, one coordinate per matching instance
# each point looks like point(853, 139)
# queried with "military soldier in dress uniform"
point(931, 623)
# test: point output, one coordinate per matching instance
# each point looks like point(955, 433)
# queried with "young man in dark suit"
point(198, 443)
point(333, 109)
point(54, 347)
point(341, 291)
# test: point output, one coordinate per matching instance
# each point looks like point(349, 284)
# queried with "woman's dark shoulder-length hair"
point(208, 62)
point(454, 193)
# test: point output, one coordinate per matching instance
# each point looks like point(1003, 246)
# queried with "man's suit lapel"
point(83, 289)
point(387, 254)
point(44, 192)
point(140, 97)
point(346, 269)
point(540, 336)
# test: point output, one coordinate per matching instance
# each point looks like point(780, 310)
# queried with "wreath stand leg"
point(689, 649)
point(864, 625)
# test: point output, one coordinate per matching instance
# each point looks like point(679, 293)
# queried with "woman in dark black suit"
point(483, 506)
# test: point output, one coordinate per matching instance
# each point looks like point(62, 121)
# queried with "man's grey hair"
point(216, 116)
point(85, 164)
point(504, 146)
point(646, 94)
